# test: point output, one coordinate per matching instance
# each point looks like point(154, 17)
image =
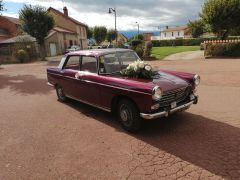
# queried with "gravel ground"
point(41, 138)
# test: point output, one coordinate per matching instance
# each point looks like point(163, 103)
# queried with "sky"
point(149, 14)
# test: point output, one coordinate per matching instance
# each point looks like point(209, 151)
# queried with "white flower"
point(135, 68)
point(141, 65)
point(148, 68)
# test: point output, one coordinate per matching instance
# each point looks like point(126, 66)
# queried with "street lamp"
point(138, 27)
point(113, 10)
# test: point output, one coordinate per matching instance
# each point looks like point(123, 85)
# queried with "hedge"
point(184, 42)
point(229, 49)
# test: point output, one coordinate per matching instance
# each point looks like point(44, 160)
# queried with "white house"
point(172, 33)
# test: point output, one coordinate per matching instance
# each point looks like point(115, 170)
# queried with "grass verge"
point(162, 52)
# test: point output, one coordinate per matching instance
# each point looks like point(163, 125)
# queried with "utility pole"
point(113, 10)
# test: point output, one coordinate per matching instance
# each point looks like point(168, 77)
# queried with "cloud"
point(148, 13)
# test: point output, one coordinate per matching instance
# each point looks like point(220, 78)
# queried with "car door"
point(87, 87)
point(68, 80)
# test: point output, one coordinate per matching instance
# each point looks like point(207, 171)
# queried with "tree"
point(196, 28)
point(37, 22)
point(138, 36)
point(222, 15)
point(99, 33)
point(111, 35)
point(1, 6)
point(89, 32)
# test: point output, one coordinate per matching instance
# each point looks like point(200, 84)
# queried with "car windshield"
point(115, 62)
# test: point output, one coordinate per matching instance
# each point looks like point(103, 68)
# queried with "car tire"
point(129, 116)
point(60, 94)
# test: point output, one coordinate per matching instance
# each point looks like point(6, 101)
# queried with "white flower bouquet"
point(138, 69)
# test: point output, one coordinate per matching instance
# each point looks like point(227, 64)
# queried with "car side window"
point(72, 63)
point(89, 64)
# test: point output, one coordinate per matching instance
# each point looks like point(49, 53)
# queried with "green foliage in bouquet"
point(139, 69)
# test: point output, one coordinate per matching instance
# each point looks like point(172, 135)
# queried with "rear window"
point(73, 63)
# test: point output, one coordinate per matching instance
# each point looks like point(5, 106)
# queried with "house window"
point(70, 42)
point(172, 34)
point(178, 33)
point(80, 31)
point(165, 34)
point(84, 33)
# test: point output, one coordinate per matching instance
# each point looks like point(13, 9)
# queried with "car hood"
point(168, 82)
point(165, 81)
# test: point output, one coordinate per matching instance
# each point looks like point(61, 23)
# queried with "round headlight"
point(196, 80)
point(157, 93)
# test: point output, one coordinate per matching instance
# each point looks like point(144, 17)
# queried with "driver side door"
point(87, 87)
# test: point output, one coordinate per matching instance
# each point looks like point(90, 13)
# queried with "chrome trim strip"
point(166, 113)
point(101, 84)
point(50, 84)
point(85, 102)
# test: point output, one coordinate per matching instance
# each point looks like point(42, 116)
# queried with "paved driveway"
point(41, 138)
point(188, 55)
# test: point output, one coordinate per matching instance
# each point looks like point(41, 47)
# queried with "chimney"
point(166, 27)
point(65, 11)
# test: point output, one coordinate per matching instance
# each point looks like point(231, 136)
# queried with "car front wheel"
point(60, 94)
point(129, 116)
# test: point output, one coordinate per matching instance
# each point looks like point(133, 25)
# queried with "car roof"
point(98, 52)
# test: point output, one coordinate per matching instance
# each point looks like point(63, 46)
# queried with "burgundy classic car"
point(93, 77)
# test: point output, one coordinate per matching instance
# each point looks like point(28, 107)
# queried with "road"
point(41, 138)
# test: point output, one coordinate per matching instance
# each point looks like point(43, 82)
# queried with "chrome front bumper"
point(167, 113)
point(50, 84)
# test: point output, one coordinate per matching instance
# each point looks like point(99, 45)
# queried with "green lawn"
point(162, 52)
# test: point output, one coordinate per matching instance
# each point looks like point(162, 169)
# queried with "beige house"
point(169, 33)
point(175, 32)
point(121, 38)
point(67, 32)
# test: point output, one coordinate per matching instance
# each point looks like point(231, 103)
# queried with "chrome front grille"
point(174, 96)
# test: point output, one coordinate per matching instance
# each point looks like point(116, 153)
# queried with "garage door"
point(53, 49)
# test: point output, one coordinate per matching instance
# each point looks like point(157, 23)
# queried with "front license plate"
point(173, 105)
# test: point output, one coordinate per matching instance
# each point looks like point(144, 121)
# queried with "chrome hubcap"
point(60, 92)
point(125, 114)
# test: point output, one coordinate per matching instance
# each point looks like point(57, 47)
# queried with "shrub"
point(22, 55)
point(230, 49)
point(177, 42)
point(184, 42)
point(138, 46)
point(202, 46)
point(136, 42)
point(140, 50)
point(148, 49)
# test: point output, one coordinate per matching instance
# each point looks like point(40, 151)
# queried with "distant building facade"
point(122, 38)
point(67, 32)
point(9, 27)
point(147, 36)
point(179, 32)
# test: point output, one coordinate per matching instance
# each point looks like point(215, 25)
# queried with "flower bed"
point(222, 48)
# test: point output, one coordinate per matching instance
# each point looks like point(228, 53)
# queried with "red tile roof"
point(12, 19)
point(178, 28)
point(60, 29)
point(67, 17)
